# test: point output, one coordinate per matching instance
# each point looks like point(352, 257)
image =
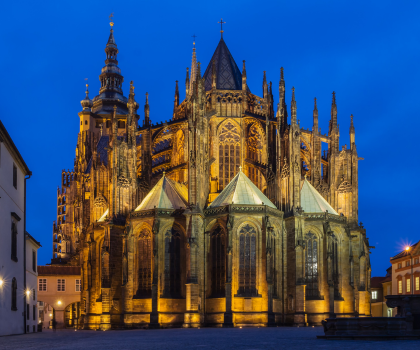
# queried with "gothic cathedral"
point(225, 215)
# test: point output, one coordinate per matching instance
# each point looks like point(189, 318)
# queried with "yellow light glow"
point(407, 248)
point(1, 282)
point(28, 292)
point(50, 315)
point(59, 302)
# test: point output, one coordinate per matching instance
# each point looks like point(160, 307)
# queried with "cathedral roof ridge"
point(311, 200)
point(241, 190)
point(166, 194)
point(228, 75)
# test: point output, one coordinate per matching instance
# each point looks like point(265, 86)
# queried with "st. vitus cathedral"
point(228, 214)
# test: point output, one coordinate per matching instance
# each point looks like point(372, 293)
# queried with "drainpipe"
point(24, 252)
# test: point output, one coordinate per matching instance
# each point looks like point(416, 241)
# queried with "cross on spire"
point(194, 36)
point(111, 23)
point(221, 26)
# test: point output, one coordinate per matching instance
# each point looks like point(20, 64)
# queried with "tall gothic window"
point(311, 266)
point(145, 264)
point(247, 261)
point(172, 288)
point(229, 154)
point(218, 258)
point(14, 294)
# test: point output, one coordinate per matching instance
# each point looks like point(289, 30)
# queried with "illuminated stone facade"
point(140, 211)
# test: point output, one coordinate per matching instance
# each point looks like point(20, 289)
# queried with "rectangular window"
point(33, 294)
point(408, 285)
point(27, 311)
point(400, 287)
point(61, 285)
point(417, 283)
point(42, 285)
point(399, 265)
point(14, 241)
point(416, 260)
point(374, 294)
point(33, 312)
point(78, 285)
point(14, 176)
point(34, 260)
point(407, 263)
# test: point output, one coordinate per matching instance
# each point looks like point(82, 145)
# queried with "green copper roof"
point(167, 194)
point(311, 200)
point(241, 190)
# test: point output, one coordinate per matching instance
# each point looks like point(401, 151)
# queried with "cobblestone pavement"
point(205, 338)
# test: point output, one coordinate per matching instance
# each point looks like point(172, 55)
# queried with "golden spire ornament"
point(110, 18)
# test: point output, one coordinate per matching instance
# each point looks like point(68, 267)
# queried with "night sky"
point(366, 51)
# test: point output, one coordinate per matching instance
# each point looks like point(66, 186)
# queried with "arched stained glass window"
point(172, 285)
point(145, 264)
point(247, 261)
point(229, 153)
point(311, 266)
point(218, 265)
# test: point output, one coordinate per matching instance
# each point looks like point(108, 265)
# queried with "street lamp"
point(1, 282)
point(59, 302)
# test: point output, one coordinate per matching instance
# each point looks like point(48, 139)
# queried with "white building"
point(32, 315)
point(13, 175)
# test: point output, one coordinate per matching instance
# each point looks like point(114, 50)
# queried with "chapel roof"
point(228, 75)
point(241, 190)
point(311, 200)
point(166, 194)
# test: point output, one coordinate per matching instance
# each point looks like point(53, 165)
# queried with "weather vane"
point(110, 18)
point(221, 26)
point(194, 36)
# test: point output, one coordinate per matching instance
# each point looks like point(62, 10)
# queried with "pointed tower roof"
point(311, 200)
point(167, 194)
point(228, 75)
point(241, 190)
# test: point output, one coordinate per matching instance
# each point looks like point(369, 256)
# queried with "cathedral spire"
point(131, 125)
point(146, 111)
point(315, 115)
point(176, 100)
point(87, 102)
point(352, 133)
point(333, 111)
point(111, 78)
point(187, 83)
point(293, 107)
point(265, 86)
point(193, 70)
point(243, 77)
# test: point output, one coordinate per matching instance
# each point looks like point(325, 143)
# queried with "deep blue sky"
point(366, 51)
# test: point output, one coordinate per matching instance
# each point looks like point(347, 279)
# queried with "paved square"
point(204, 338)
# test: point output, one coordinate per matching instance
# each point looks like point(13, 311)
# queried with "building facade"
point(13, 176)
point(406, 271)
point(380, 287)
point(227, 214)
point(59, 294)
point(32, 247)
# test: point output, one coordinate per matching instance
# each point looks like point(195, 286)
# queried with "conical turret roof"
point(166, 194)
point(241, 190)
point(311, 200)
point(228, 75)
